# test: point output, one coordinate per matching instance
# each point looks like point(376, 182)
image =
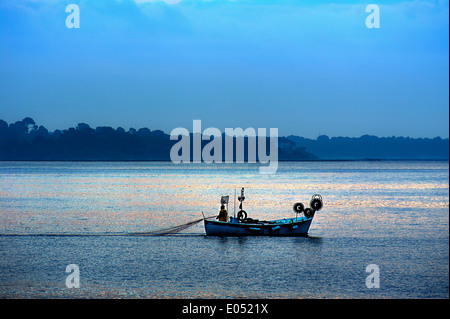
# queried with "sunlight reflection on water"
point(397, 210)
point(145, 196)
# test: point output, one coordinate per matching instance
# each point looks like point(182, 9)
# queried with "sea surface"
point(392, 214)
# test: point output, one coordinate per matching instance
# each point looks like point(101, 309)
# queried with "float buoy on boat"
point(309, 213)
point(316, 203)
point(242, 215)
point(299, 208)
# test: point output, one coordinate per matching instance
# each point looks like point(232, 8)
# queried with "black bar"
point(228, 308)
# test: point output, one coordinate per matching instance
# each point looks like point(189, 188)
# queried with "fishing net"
point(161, 232)
point(172, 230)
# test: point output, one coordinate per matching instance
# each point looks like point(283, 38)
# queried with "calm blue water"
point(392, 214)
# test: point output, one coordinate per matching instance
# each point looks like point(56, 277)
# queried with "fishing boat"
point(241, 225)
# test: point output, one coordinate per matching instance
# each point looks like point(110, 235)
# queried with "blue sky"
point(304, 67)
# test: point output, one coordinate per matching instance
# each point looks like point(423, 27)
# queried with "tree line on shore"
point(25, 140)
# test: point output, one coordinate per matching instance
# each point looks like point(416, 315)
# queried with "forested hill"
point(372, 147)
point(25, 140)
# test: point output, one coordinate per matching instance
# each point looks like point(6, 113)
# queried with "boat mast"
point(234, 210)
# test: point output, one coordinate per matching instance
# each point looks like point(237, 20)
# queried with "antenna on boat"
point(241, 198)
point(234, 210)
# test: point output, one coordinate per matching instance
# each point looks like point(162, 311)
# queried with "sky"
point(305, 67)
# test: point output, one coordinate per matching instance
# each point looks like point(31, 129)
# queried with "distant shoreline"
point(26, 141)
